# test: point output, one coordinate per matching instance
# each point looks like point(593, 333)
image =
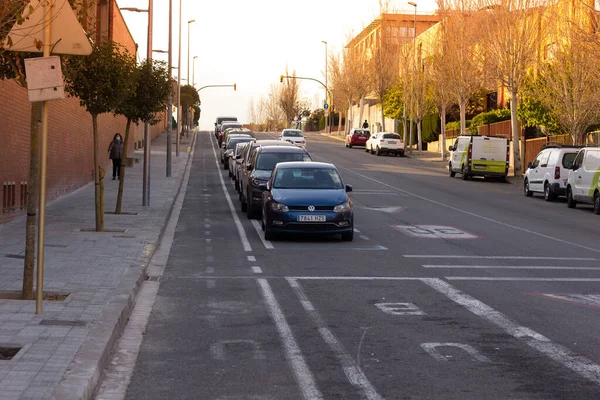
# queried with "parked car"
point(219, 121)
point(235, 155)
point(224, 126)
point(307, 197)
point(583, 183)
point(357, 137)
point(242, 168)
point(293, 136)
point(385, 143)
point(231, 142)
point(549, 171)
point(259, 170)
point(486, 156)
point(232, 132)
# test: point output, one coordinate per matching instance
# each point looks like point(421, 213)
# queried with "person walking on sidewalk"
point(115, 151)
point(365, 125)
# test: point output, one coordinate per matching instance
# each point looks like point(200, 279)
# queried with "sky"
point(250, 43)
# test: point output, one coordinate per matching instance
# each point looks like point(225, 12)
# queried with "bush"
point(488, 118)
point(456, 125)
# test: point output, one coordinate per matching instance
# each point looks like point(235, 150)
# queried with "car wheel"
point(236, 186)
point(225, 165)
point(571, 203)
point(548, 195)
point(348, 236)
point(249, 207)
point(597, 203)
point(526, 190)
point(465, 173)
point(268, 233)
point(452, 173)
point(366, 148)
point(378, 151)
point(244, 205)
point(349, 145)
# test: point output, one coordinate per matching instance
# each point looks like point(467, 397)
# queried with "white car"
point(549, 171)
point(583, 183)
point(293, 136)
point(385, 143)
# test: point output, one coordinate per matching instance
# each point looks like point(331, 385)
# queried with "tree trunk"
point(360, 112)
point(404, 128)
point(32, 184)
point(463, 116)
point(382, 118)
point(122, 169)
point(97, 197)
point(443, 130)
point(419, 139)
point(514, 122)
point(411, 134)
point(340, 123)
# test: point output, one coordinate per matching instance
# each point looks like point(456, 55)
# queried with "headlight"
point(279, 207)
point(342, 207)
point(259, 182)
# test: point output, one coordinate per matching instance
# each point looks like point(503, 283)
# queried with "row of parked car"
point(377, 143)
point(277, 181)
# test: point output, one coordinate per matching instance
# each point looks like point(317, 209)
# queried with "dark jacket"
point(116, 150)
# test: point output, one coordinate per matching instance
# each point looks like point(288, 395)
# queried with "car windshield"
point(239, 149)
point(267, 161)
point(308, 178)
point(391, 136)
point(568, 159)
point(292, 133)
point(235, 140)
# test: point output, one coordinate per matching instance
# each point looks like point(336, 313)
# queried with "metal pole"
point(170, 111)
point(178, 88)
point(326, 90)
point(43, 163)
point(412, 100)
point(146, 177)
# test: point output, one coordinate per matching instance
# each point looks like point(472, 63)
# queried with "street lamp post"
point(412, 100)
point(146, 173)
point(177, 145)
point(194, 71)
point(326, 90)
point(188, 122)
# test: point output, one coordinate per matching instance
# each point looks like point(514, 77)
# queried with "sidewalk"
point(64, 350)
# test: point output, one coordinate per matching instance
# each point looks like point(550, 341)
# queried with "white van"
point(549, 171)
point(485, 156)
point(583, 183)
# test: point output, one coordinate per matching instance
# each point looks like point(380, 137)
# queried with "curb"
point(333, 137)
point(81, 378)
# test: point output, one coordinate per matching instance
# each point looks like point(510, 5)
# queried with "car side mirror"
point(348, 188)
point(269, 186)
point(249, 167)
point(450, 148)
point(575, 167)
point(529, 165)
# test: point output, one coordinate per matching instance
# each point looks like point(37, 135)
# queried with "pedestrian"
point(115, 151)
point(365, 125)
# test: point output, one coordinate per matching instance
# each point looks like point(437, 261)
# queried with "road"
point(451, 289)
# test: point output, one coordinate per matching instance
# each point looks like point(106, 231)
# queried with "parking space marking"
point(588, 300)
point(256, 270)
point(502, 257)
point(516, 278)
point(434, 232)
point(303, 375)
point(375, 248)
point(509, 267)
point(267, 243)
point(353, 371)
point(431, 349)
point(579, 364)
point(251, 258)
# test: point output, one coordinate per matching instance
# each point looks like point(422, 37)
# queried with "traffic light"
point(281, 78)
point(234, 87)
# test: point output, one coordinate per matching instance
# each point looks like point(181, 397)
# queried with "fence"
point(534, 146)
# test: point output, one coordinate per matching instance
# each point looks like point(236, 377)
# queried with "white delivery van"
point(583, 183)
point(486, 156)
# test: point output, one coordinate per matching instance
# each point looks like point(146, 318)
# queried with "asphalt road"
point(451, 289)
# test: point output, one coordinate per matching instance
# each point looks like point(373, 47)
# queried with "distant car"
point(307, 197)
point(583, 183)
point(357, 137)
point(219, 121)
point(549, 172)
point(259, 170)
point(293, 136)
point(229, 146)
point(224, 126)
point(385, 143)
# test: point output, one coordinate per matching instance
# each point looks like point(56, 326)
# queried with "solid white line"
point(356, 278)
point(517, 279)
point(303, 375)
point(251, 258)
point(353, 372)
point(557, 352)
point(267, 243)
point(504, 257)
point(256, 270)
point(236, 219)
point(508, 267)
point(473, 214)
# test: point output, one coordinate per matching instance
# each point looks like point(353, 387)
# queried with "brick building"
point(70, 146)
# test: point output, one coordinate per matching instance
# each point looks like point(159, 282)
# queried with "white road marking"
point(236, 219)
point(256, 270)
point(353, 372)
point(210, 284)
point(399, 308)
point(434, 232)
point(431, 348)
point(517, 279)
point(267, 243)
point(508, 267)
point(251, 258)
point(503, 257)
point(595, 250)
point(303, 375)
point(363, 237)
point(556, 352)
point(210, 270)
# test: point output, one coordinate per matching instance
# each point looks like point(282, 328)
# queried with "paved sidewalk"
point(63, 351)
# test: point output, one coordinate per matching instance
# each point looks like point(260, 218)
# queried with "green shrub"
point(488, 118)
point(456, 125)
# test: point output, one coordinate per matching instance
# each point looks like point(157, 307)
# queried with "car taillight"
point(470, 152)
point(382, 140)
point(556, 172)
point(508, 154)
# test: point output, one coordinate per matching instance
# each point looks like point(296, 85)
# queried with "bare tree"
point(383, 69)
point(272, 110)
point(288, 97)
point(511, 32)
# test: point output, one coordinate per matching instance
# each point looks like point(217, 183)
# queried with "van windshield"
point(568, 159)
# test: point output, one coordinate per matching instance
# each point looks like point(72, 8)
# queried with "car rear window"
point(267, 161)
point(308, 178)
point(391, 136)
point(234, 141)
point(292, 133)
point(568, 159)
point(359, 132)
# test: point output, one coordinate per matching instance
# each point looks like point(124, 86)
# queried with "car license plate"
point(479, 166)
point(312, 218)
point(391, 142)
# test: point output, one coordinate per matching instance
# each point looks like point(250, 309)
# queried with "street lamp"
point(194, 71)
point(414, 119)
point(146, 174)
point(326, 89)
point(188, 72)
point(178, 135)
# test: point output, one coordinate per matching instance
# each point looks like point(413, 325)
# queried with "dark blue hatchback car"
point(307, 197)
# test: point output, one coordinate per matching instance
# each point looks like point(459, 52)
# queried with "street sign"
point(326, 106)
point(44, 79)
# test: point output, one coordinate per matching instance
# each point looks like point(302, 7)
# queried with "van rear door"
point(489, 154)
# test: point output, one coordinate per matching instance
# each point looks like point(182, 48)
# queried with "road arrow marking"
point(390, 210)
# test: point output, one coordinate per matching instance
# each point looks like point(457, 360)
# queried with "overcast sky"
point(250, 42)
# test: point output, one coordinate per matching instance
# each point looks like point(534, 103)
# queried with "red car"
point(357, 137)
